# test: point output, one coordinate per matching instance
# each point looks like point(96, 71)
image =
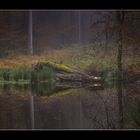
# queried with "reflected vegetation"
point(73, 106)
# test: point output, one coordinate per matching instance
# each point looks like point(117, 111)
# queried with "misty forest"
point(69, 69)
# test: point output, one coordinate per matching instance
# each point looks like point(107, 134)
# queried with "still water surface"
point(44, 106)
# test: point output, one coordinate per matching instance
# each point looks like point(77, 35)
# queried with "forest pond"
point(45, 106)
point(69, 69)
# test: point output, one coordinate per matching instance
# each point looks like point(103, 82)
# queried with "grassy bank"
point(25, 75)
point(88, 58)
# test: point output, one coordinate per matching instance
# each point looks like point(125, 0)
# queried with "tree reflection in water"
point(120, 103)
point(99, 109)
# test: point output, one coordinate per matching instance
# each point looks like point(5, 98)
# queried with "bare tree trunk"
point(79, 27)
point(106, 37)
point(120, 20)
point(30, 33)
point(31, 53)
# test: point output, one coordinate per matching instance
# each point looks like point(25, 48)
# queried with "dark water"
point(49, 106)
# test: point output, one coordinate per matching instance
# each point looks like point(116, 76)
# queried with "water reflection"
point(120, 102)
point(32, 111)
point(69, 106)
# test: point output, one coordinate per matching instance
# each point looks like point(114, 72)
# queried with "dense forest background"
point(55, 29)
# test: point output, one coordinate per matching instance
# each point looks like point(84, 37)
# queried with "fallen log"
point(54, 66)
point(65, 73)
point(77, 77)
